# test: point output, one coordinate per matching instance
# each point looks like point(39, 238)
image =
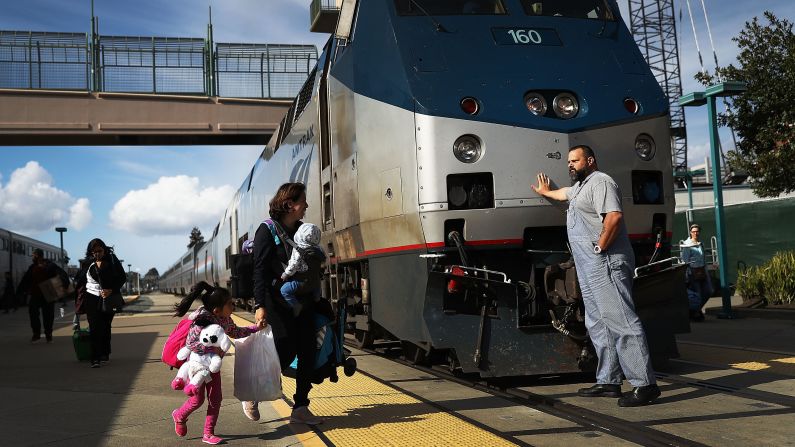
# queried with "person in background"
point(39, 271)
point(699, 285)
point(103, 277)
point(8, 297)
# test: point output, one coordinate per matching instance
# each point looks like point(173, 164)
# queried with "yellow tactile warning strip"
point(738, 358)
point(361, 411)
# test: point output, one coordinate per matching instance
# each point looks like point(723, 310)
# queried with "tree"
point(763, 116)
point(196, 238)
point(150, 279)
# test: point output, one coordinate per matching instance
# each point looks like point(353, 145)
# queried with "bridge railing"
point(262, 70)
point(166, 65)
point(33, 60)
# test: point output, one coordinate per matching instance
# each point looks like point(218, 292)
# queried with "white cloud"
point(172, 205)
point(80, 214)
point(30, 203)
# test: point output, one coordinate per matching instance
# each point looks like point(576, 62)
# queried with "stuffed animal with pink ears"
point(196, 371)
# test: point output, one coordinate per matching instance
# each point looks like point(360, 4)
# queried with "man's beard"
point(577, 175)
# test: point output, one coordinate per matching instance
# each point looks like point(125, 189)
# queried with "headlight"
point(565, 105)
point(467, 148)
point(645, 147)
point(536, 104)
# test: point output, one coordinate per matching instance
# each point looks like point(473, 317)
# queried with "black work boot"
point(600, 390)
point(639, 396)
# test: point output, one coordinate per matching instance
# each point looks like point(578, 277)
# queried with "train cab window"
point(576, 9)
point(449, 7)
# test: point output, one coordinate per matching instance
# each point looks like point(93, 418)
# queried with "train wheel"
point(364, 339)
point(454, 364)
point(414, 354)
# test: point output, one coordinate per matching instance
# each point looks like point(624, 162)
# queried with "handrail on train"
point(673, 260)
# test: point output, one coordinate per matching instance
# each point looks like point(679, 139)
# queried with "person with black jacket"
point(39, 271)
point(101, 279)
point(293, 334)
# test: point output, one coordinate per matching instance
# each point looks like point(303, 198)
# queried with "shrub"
point(774, 281)
point(749, 284)
point(779, 278)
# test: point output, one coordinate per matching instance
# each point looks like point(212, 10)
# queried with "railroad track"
point(588, 419)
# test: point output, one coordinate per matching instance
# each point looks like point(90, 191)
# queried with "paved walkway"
point(49, 398)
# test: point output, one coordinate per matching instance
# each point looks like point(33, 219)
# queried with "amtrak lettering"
point(305, 139)
point(300, 172)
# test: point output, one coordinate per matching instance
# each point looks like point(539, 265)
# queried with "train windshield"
point(448, 7)
point(578, 9)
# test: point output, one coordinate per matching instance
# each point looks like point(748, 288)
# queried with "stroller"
point(331, 353)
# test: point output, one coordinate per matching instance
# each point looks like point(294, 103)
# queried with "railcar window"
point(577, 9)
point(449, 7)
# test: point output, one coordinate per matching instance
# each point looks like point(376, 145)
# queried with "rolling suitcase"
point(82, 344)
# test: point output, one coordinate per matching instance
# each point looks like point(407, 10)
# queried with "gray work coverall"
point(606, 284)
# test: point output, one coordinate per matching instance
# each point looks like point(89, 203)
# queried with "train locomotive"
point(418, 135)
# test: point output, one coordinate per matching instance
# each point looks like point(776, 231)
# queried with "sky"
point(145, 200)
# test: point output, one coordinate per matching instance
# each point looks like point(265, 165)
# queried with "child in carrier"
point(302, 275)
point(217, 307)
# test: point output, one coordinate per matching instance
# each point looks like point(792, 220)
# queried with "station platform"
point(733, 385)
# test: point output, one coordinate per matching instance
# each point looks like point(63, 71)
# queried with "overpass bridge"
point(85, 89)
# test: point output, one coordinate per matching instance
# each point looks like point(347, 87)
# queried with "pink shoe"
point(191, 389)
point(179, 425)
point(178, 384)
point(211, 439)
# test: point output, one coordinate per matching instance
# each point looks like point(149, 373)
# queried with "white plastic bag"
point(258, 376)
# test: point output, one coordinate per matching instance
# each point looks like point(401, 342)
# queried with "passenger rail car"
point(418, 135)
point(15, 255)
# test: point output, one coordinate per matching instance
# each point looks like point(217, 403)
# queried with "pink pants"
point(214, 398)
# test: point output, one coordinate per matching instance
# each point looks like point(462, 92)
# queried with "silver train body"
point(384, 186)
point(15, 255)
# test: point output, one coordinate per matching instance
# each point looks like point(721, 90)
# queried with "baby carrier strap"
point(279, 233)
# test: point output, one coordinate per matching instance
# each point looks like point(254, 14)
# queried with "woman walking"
point(102, 279)
point(293, 334)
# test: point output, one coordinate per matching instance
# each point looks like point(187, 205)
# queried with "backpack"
point(176, 341)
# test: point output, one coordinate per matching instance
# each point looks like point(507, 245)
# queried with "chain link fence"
point(165, 65)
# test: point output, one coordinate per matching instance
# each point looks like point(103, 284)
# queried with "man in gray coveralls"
point(605, 261)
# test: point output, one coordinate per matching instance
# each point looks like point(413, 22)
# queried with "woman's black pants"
point(300, 341)
point(99, 326)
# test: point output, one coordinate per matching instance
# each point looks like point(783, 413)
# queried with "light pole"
point(129, 266)
point(138, 279)
point(727, 88)
point(61, 231)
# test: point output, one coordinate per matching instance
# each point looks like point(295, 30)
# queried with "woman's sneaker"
point(180, 428)
point(251, 410)
point(302, 415)
point(95, 364)
point(211, 439)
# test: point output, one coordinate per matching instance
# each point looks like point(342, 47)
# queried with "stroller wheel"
point(350, 366)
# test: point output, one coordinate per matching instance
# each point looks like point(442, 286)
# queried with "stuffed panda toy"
point(198, 367)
